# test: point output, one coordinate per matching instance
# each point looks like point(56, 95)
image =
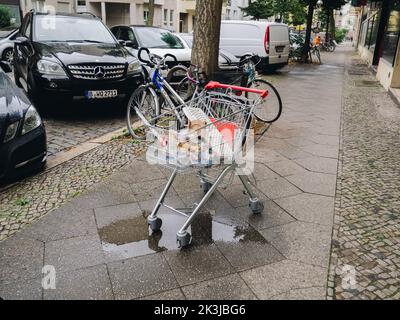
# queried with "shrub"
point(5, 17)
point(341, 34)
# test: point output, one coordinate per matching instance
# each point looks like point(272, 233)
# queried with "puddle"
point(130, 238)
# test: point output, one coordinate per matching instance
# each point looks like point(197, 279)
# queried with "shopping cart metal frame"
point(208, 184)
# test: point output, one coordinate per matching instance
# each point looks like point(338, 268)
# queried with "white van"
point(267, 39)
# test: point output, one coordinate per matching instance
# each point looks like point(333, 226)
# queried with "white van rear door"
point(279, 44)
point(242, 38)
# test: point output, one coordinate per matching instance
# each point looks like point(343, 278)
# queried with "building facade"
point(233, 10)
point(378, 40)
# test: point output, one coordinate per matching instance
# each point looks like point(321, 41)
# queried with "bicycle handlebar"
point(153, 56)
point(216, 85)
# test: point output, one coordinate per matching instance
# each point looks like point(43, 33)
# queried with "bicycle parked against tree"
point(269, 111)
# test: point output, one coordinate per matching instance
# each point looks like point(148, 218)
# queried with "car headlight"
point(134, 67)
point(11, 131)
point(32, 120)
point(50, 68)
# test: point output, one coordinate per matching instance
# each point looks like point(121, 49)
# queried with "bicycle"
point(316, 52)
point(268, 112)
point(154, 98)
point(329, 46)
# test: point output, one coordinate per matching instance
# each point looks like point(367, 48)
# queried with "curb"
point(64, 156)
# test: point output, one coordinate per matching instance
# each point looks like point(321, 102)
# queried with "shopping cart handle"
point(216, 85)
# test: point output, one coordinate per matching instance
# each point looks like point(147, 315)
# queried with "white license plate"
point(101, 94)
point(280, 49)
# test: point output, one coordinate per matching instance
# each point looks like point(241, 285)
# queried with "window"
point(38, 5)
point(158, 38)
point(391, 37)
point(81, 2)
point(165, 17)
point(145, 15)
point(13, 19)
point(171, 17)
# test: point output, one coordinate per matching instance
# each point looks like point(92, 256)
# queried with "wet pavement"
point(101, 247)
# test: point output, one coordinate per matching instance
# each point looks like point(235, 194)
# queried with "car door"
point(24, 51)
point(279, 44)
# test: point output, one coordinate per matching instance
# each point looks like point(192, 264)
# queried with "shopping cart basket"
point(218, 121)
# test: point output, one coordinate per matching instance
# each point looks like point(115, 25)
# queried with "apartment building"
point(175, 15)
point(233, 10)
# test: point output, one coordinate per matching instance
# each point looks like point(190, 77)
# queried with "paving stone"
point(318, 164)
point(139, 277)
point(281, 277)
point(230, 287)
point(278, 188)
point(286, 168)
point(175, 294)
point(21, 259)
point(149, 190)
point(322, 151)
point(22, 290)
point(318, 183)
point(107, 215)
point(304, 242)
point(309, 208)
point(74, 253)
point(197, 264)
point(315, 293)
point(272, 216)
point(85, 284)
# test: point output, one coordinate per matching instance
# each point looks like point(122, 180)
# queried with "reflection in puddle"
point(132, 237)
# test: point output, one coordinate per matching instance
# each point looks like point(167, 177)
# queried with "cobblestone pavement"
point(365, 262)
point(33, 197)
point(68, 130)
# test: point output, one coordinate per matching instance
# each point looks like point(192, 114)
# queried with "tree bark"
point(310, 16)
point(333, 25)
point(150, 20)
point(328, 18)
point(207, 31)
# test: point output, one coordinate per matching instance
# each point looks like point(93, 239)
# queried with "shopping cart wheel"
point(205, 185)
point(184, 240)
point(256, 206)
point(155, 224)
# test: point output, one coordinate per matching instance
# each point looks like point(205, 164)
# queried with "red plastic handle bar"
point(216, 85)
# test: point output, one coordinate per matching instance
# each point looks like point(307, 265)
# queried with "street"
point(327, 172)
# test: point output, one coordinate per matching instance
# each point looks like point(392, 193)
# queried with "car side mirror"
point(6, 66)
point(131, 44)
point(22, 40)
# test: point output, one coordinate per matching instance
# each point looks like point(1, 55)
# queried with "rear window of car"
point(279, 33)
point(158, 39)
point(70, 29)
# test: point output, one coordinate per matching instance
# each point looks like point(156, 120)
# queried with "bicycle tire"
point(176, 74)
point(136, 103)
point(186, 89)
point(273, 101)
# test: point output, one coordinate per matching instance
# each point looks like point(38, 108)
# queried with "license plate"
point(101, 94)
point(279, 49)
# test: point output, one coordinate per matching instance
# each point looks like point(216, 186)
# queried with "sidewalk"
point(101, 248)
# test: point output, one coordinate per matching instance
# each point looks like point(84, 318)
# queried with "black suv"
point(59, 57)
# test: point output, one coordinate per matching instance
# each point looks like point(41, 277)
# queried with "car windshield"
point(188, 39)
point(158, 38)
point(52, 28)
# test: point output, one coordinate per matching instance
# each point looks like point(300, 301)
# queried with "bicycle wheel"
point(186, 89)
point(176, 75)
point(270, 109)
point(144, 100)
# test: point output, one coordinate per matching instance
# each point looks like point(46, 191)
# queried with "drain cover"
point(358, 71)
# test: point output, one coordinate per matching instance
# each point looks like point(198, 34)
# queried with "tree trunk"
point(310, 16)
point(333, 25)
point(328, 18)
point(150, 19)
point(207, 30)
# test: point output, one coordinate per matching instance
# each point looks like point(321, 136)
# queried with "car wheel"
point(8, 55)
point(34, 96)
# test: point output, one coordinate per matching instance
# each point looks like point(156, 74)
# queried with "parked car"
point(65, 57)
point(7, 46)
point(22, 134)
point(227, 60)
point(270, 41)
point(159, 41)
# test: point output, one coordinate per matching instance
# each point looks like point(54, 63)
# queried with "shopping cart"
point(218, 125)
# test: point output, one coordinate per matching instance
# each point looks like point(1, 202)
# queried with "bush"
point(341, 34)
point(5, 17)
